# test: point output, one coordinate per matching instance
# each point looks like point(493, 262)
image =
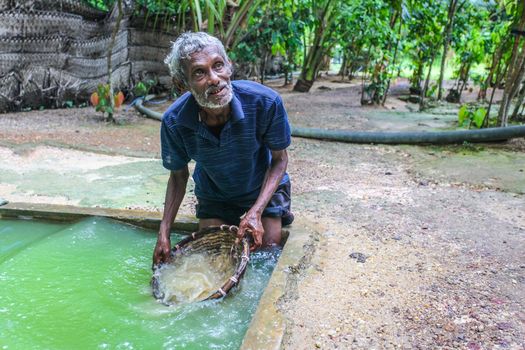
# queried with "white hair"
point(186, 45)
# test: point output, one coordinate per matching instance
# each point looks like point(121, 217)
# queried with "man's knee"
point(203, 223)
point(272, 230)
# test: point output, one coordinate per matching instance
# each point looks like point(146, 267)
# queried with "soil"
point(414, 247)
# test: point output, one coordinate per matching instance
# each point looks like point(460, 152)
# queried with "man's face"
point(208, 76)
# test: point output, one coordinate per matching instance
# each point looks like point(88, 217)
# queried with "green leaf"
point(463, 115)
point(141, 89)
point(479, 117)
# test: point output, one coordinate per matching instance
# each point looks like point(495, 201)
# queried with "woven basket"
point(214, 241)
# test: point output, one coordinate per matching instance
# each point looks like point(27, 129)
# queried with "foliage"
point(101, 99)
point(103, 5)
point(372, 36)
point(468, 116)
point(274, 30)
point(471, 39)
point(142, 88)
point(424, 23)
point(377, 41)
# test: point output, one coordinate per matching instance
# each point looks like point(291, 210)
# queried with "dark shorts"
point(279, 206)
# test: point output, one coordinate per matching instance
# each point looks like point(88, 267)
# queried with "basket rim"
point(231, 282)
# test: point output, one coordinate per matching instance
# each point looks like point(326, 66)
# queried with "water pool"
point(86, 286)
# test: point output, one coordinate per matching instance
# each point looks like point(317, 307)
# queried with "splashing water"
point(193, 277)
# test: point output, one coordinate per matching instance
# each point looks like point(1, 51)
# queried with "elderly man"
point(237, 132)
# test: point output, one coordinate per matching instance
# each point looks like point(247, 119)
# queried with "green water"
point(86, 286)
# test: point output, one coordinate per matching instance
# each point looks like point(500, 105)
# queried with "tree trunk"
point(317, 51)
point(516, 70)
point(496, 57)
point(393, 62)
point(425, 88)
point(415, 81)
point(285, 71)
point(262, 68)
point(363, 78)
point(342, 70)
point(446, 41)
point(510, 91)
point(464, 78)
point(499, 76)
point(290, 60)
point(519, 103)
point(110, 53)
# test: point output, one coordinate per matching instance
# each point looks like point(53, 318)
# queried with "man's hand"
point(252, 223)
point(162, 252)
point(174, 194)
point(252, 220)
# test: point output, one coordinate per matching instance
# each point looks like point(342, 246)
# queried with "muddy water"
point(193, 277)
point(86, 286)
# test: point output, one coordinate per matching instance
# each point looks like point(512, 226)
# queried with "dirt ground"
point(417, 247)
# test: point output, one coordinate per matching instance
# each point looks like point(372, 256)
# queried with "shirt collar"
point(236, 106)
point(189, 113)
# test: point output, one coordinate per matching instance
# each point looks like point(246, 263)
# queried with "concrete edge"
point(268, 326)
point(67, 213)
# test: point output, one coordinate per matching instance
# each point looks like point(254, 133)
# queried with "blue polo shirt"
point(231, 167)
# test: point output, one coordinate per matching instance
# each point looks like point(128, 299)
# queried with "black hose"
point(398, 137)
point(139, 106)
point(413, 137)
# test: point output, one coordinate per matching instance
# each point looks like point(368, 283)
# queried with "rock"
point(449, 327)
point(480, 328)
point(503, 326)
point(360, 257)
point(473, 346)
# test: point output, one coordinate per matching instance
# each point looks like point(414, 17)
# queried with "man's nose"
point(213, 78)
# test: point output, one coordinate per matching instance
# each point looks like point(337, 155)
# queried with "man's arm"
point(272, 178)
point(175, 192)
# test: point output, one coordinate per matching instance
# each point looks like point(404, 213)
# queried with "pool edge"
point(54, 212)
point(268, 325)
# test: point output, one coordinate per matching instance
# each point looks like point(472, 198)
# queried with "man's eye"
point(198, 73)
point(219, 65)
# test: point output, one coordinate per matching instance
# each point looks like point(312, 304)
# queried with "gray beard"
point(202, 99)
